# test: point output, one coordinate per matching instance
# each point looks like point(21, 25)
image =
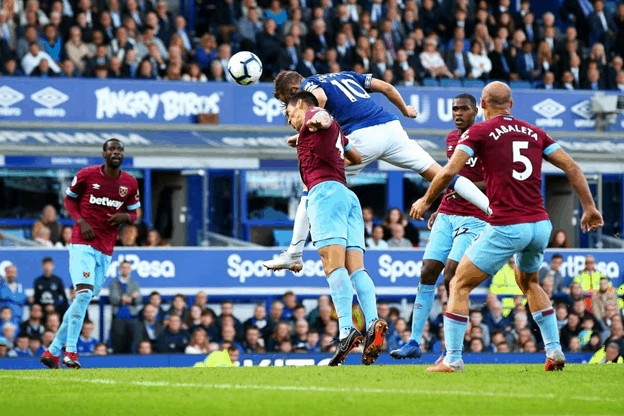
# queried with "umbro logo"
point(548, 108)
point(583, 109)
point(96, 186)
point(8, 96)
point(49, 97)
point(450, 148)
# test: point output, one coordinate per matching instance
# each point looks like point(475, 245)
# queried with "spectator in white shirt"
point(432, 61)
point(376, 242)
point(34, 56)
point(479, 61)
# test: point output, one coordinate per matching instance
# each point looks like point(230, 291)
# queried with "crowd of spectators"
point(400, 41)
point(589, 313)
point(49, 232)
point(394, 232)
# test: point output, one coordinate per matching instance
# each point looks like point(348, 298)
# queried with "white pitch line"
point(350, 390)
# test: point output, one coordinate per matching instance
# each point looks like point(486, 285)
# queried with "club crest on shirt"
point(86, 274)
point(123, 191)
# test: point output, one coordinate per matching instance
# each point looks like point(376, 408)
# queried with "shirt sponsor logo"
point(111, 104)
point(49, 98)
point(549, 109)
point(105, 202)
point(9, 97)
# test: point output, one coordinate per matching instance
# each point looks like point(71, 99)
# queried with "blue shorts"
point(493, 247)
point(88, 266)
point(335, 216)
point(450, 237)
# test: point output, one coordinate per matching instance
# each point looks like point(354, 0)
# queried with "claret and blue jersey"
point(348, 100)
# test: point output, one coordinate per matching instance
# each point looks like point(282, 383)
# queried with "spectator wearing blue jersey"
point(12, 293)
point(35, 346)
point(276, 13)
point(174, 339)
point(86, 342)
point(21, 347)
point(4, 346)
point(52, 43)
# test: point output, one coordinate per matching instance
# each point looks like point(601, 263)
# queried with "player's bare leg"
point(467, 277)
point(376, 328)
point(544, 315)
point(333, 258)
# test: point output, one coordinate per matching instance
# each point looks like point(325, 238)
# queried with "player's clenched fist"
point(591, 220)
point(85, 229)
point(410, 112)
point(292, 140)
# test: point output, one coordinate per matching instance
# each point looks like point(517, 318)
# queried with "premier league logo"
point(123, 191)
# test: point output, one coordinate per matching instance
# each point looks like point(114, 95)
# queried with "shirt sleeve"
point(470, 141)
point(78, 185)
point(346, 145)
point(363, 79)
point(549, 145)
point(310, 84)
point(134, 201)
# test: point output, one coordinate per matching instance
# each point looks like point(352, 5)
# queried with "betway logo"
point(105, 201)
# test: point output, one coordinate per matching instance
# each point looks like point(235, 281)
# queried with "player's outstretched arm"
point(393, 95)
point(440, 182)
point(592, 219)
point(353, 156)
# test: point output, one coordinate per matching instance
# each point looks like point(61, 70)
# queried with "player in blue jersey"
point(454, 226)
point(374, 131)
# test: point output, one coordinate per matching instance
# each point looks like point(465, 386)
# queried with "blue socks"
point(547, 322)
point(422, 308)
point(342, 295)
point(61, 336)
point(77, 312)
point(366, 295)
point(454, 331)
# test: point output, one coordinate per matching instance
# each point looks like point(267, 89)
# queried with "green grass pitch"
point(347, 390)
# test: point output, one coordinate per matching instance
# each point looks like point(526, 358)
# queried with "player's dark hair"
point(284, 83)
point(105, 145)
point(557, 256)
point(47, 260)
point(307, 97)
point(469, 97)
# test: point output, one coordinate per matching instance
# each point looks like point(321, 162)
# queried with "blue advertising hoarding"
point(226, 140)
point(171, 102)
point(240, 271)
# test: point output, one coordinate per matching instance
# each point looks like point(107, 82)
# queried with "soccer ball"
point(245, 67)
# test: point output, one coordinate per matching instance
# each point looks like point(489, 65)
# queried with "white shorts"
point(388, 142)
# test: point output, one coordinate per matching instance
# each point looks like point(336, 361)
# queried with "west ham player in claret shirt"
point(453, 227)
point(511, 151)
point(100, 198)
point(336, 222)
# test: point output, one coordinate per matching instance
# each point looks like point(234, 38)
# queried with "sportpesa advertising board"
point(240, 271)
point(88, 100)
